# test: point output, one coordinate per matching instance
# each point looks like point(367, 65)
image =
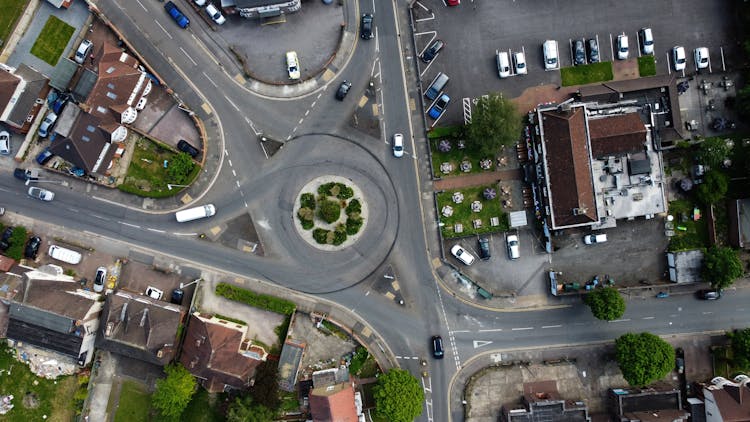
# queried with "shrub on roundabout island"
point(339, 190)
point(321, 235)
point(307, 200)
point(354, 207)
point(329, 211)
point(339, 235)
point(353, 224)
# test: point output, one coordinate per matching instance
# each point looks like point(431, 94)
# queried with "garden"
point(470, 211)
point(452, 157)
point(586, 74)
point(12, 10)
point(323, 214)
point(52, 40)
point(154, 167)
point(646, 66)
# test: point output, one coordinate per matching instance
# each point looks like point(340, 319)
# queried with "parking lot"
point(474, 31)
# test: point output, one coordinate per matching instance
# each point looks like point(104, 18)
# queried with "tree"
point(179, 168)
point(398, 396)
point(713, 152)
point(721, 266)
point(742, 103)
point(714, 187)
point(243, 409)
point(265, 390)
point(643, 358)
point(740, 347)
point(174, 392)
point(494, 123)
point(606, 304)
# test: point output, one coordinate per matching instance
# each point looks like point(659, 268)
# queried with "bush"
point(345, 192)
point(354, 207)
point(325, 189)
point(353, 224)
point(307, 200)
point(329, 211)
point(17, 241)
point(306, 224)
point(269, 303)
point(339, 235)
point(321, 235)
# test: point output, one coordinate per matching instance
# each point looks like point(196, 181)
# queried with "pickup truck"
point(176, 14)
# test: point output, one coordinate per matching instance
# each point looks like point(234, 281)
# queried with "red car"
point(453, 2)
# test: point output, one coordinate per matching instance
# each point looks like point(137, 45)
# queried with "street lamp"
point(169, 186)
point(192, 282)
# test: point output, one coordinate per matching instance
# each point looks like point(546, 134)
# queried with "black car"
point(5, 240)
point(20, 174)
point(185, 147)
point(432, 51)
point(32, 247)
point(437, 347)
point(177, 295)
point(366, 27)
point(343, 90)
point(579, 54)
point(593, 47)
point(707, 294)
point(484, 248)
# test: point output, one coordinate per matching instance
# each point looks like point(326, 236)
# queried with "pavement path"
point(101, 387)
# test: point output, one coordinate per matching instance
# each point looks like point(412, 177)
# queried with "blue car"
point(43, 157)
point(176, 14)
point(439, 107)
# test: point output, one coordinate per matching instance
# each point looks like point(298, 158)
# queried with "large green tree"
point(494, 123)
point(741, 347)
point(643, 358)
point(265, 390)
point(179, 169)
point(174, 392)
point(398, 396)
point(721, 266)
point(714, 187)
point(713, 152)
point(606, 303)
point(243, 409)
point(742, 102)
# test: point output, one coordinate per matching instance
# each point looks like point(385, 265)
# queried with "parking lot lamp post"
point(182, 286)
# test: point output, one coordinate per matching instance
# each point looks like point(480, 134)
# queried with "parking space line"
point(638, 42)
point(710, 70)
point(723, 65)
point(599, 47)
point(669, 65)
point(611, 48)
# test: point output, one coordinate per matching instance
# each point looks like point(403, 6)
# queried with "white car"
point(398, 145)
point(647, 40)
point(292, 64)
point(200, 3)
point(462, 254)
point(4, 143)
point(678, 58)
point(519, 63)
point(47, 124)
point(99, 279)
point(701, 57)
point(514, 249)
point(214, 14)
point(549, 49)
point(154, 293)
point(42, 194)
point(83, 51)
point(503, 64)
point(622, 47)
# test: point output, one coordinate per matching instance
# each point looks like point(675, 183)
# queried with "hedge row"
point(269, 303)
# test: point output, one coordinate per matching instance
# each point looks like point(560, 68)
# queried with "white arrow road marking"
point(480, 343)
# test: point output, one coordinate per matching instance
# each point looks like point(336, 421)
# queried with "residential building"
point(219, 353)
point(727, 401)
point(739, 222)
point(140, 327)
point(541, 402)
point(64, 4)
point(23, 92)
point(653, 404)
point(53, 313)
point(334, 403)
point(261, 8)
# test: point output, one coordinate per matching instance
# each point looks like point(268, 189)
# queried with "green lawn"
point(586, 74)
point(695, 234)
point(444, 132)
point(463, 214)
point(146, 175)
point(55, 397)
point(134, 404)
point(202, 408)
point(52, 40)
point(12, 10)
point(455, 156)
point(646, 66)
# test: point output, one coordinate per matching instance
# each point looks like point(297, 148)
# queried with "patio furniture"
point(446, 167)
point(494, 221)
point(465, 166)
point(444, 145)
point(507, 203)
point(485, 164)
point(447, 211)
point(489, 193)
point(458, 197)
point(477, 223)
point(458, 228)
point(476, 206)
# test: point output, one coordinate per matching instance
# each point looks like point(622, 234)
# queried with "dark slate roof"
point(36, 87)
point(639, 164)
point(568, 167)
point(87, 147)
point(617, 135)
point(67, 344)
point(85, 84)
point(63, 73)
point(52, 304)
point(289, 362)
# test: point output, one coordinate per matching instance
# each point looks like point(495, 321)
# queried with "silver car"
point(4, 143)
point(42, 194)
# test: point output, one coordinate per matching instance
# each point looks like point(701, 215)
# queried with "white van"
point(65, 255)
point(591, 239)
point(549, 48)
point(503, 64)
point(195, 213)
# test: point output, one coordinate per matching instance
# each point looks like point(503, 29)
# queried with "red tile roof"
point(334, 403)
point(733, 402)
point(568, 167)
point(617, 135)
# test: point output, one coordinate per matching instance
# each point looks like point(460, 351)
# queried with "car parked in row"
point(549, 50)
point(622, 47)
point(439, 107)
point(99, 279)
point(579, 53)
point(462, 254)
point(214, 14)
point(83, 51)
point(647, 40)
point(678, 58)
point(44, 157)
point(484, 248)
point(47, 124)
point(514, 248)
point(32, 247)
point(4, 143)
point(503, 64)
point(592, 45)
point(701, 57)
point(519, 63)
point(432, 51)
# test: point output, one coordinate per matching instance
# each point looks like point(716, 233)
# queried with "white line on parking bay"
point(162, 28)
point(188, 56)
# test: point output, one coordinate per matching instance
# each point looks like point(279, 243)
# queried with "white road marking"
point(706, 313)
point(163, 29)
point(246, 206)
point(184, 234)
point(300, 121)
point(621, 320)
point(648, 317)
point(129, 225)
point(188, 56)
point(141, 4)
point(99, 216)
point(237, 182)
point(234, 173)
point(494, 330)
point(313, 104)
point(522, 328)
point(461, 331)
point(232, 103)
point(307, 112)
point(551, 326)
point(155, 230)
point(480, 343)
point(210, 80)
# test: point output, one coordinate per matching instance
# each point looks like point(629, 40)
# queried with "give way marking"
point(480, 343)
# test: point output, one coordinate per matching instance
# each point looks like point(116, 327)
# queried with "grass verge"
point(203, 407)
point(455, 156)
point(147, 176)
point(586, 74)
point(646, 66)
point(463, 214)
point(51, 42)
point(134, 403)
point(12, 10)
point(444, 132)
point(689, 234)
